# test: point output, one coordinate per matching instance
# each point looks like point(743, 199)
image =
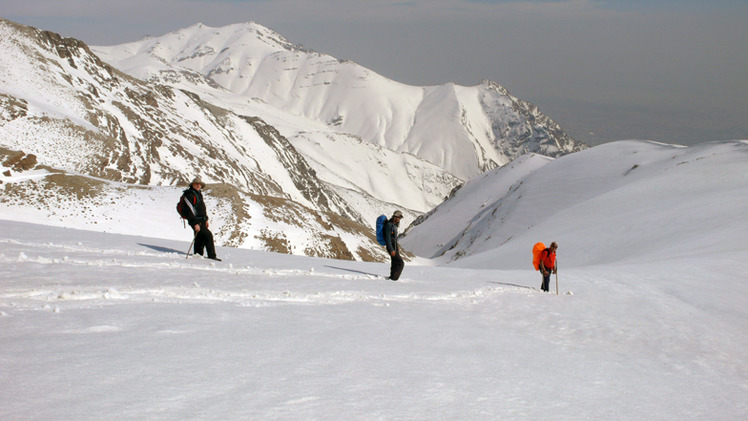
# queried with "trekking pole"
point(186, 256)
point(556, 270)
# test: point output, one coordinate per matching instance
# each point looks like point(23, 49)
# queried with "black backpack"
point(185, 209)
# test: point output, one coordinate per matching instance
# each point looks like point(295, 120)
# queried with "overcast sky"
point(667, 70)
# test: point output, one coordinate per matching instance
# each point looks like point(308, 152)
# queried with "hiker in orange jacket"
point(548, 265)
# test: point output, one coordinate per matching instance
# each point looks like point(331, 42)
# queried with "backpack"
point(184, 207)
point(381, 221)
point(537, 249)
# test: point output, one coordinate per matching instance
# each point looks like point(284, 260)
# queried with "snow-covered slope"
point(124, 327)
point(237, 220)
point(61, 103)
point(63, 109)
point(464, 130)
point(626, 201)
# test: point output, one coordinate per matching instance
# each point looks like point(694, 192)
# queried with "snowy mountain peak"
point(66, 111)
point(265, 120)
point(204, 48)
point(465, 130)
point(493, 86)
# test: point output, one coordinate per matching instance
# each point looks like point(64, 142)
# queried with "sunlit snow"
point(653, 326)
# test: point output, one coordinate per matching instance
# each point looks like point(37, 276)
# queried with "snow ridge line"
point(74, 297)
point(24, 258)
point(168, 260)
point(81, 248)
point(179, 263)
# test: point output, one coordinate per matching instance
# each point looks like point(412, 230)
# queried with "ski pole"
point(556, 270)
point(193, 242)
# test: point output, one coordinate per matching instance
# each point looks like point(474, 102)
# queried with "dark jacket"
point(196, 211)
point(390, 236)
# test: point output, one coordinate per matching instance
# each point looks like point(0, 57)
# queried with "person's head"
point(397, 216)
point(197, 183)
point(554, 246)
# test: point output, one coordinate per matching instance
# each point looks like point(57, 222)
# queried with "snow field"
point(125, 327)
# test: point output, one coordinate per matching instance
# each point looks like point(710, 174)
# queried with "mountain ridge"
point(484, 124)
point(63, 104)
point(78, 116)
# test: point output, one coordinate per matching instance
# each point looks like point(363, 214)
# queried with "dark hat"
point(397, 214)
point(199, 181)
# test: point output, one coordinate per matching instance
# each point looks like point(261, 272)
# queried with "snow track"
point(248, 286)
point(58, 299)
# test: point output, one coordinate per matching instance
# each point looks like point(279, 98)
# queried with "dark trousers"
point(546, 281)
point(204, 240)
point(396, 268)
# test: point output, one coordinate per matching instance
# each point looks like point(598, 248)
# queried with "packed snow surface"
point(108, 326)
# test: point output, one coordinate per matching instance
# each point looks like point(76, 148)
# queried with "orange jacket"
point(548, 259)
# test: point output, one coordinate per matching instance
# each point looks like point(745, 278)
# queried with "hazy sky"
point(668, 70)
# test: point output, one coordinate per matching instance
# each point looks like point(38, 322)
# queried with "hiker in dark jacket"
point(198, 219)
point(390, 239)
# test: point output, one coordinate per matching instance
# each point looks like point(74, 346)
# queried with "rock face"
point(527, 130)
